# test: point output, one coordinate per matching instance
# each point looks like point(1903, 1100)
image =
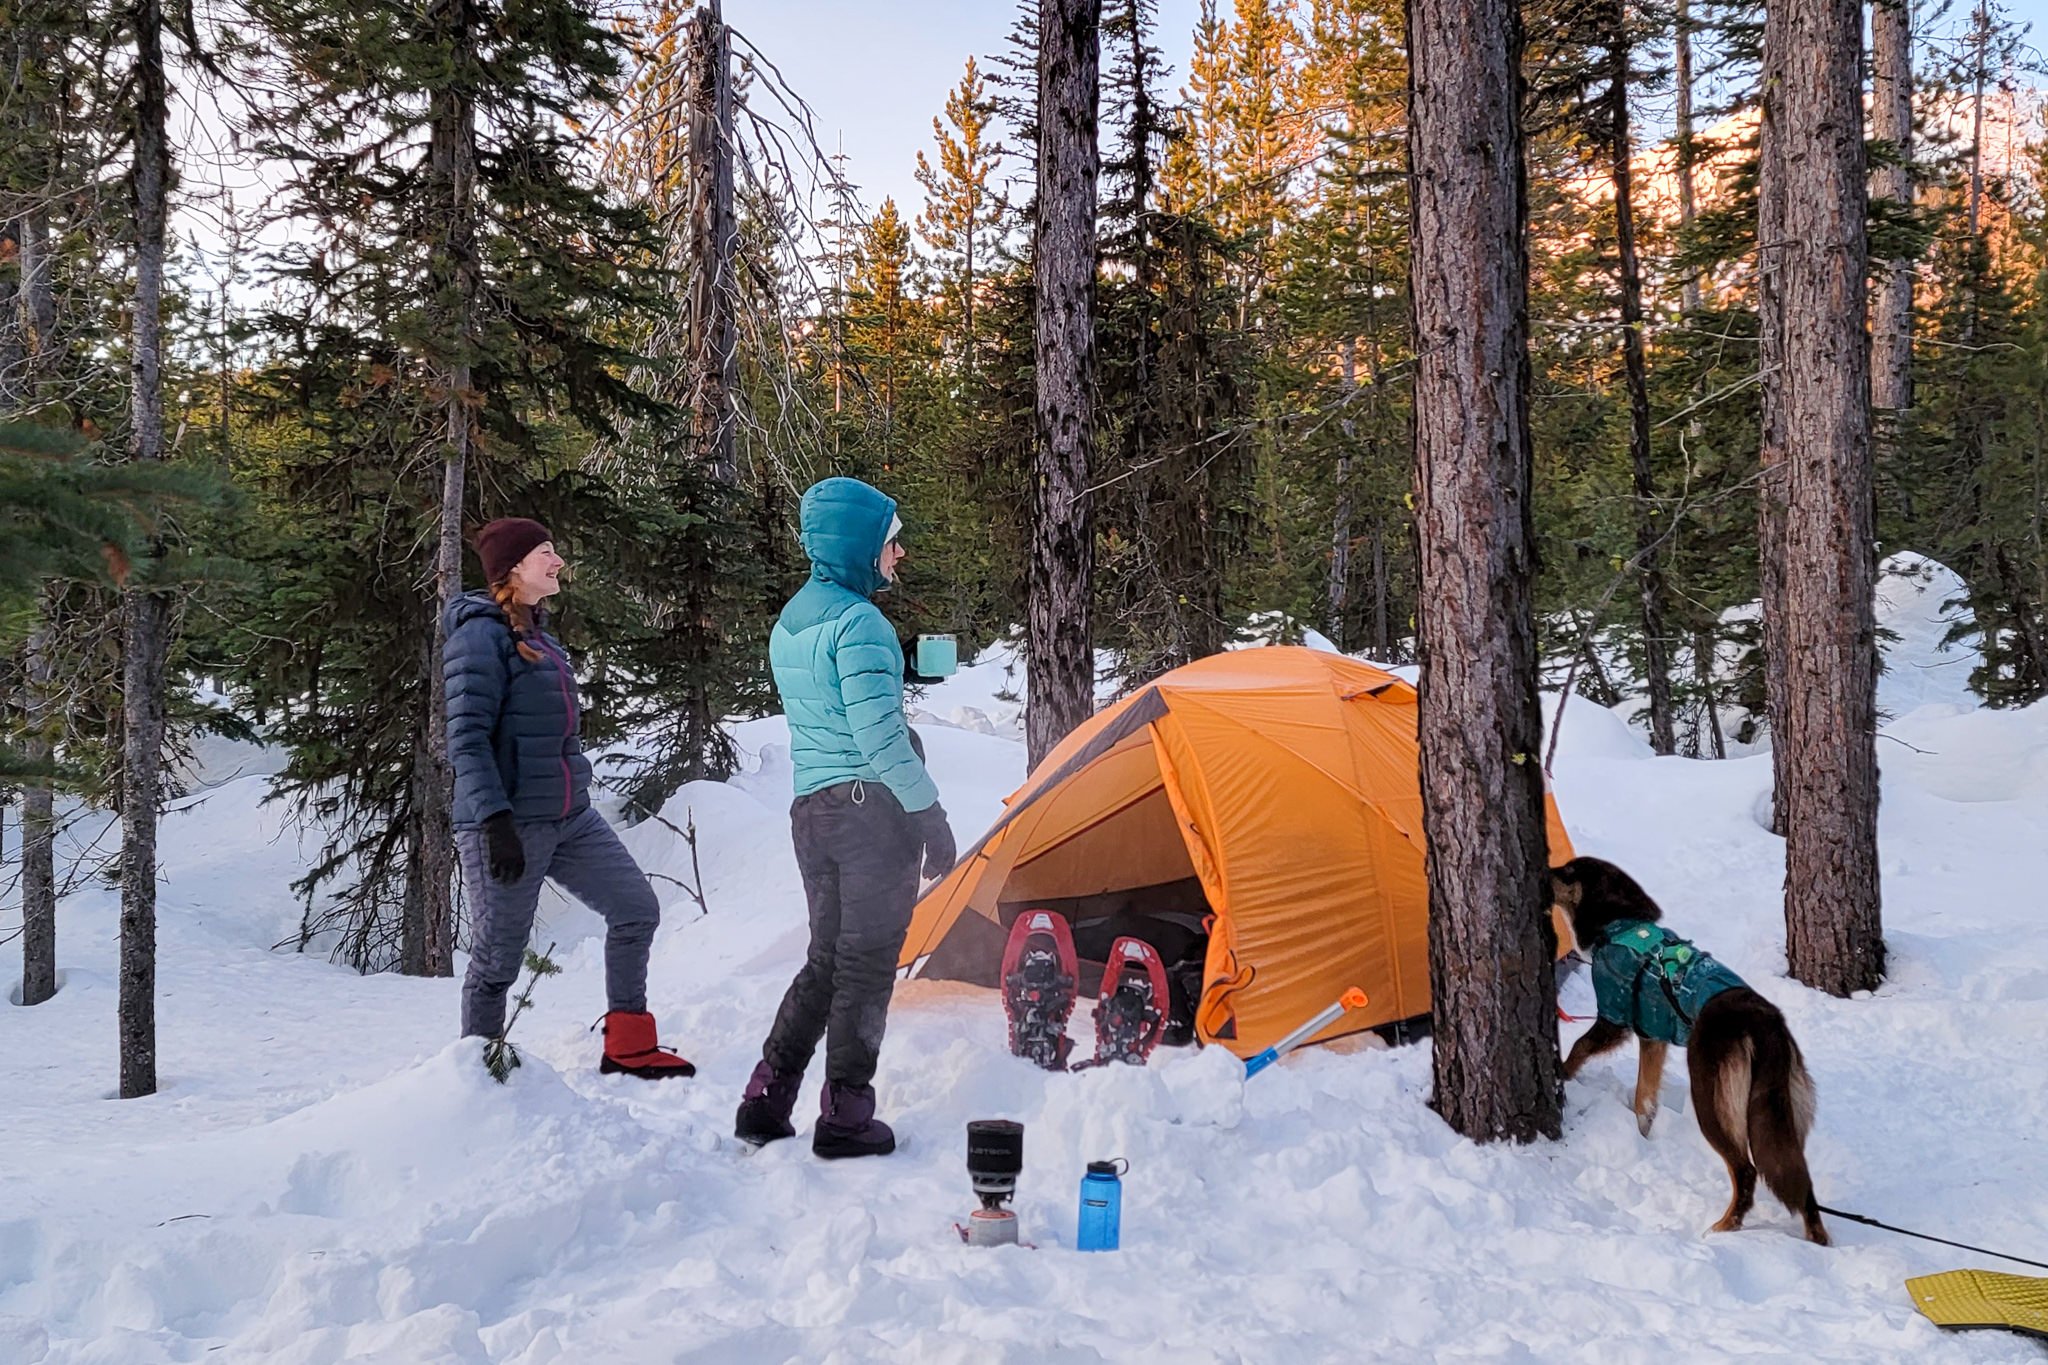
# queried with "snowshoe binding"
point(1040, 979)
point(1130, 1015)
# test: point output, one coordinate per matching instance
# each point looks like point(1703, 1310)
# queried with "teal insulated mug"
point(938, 656)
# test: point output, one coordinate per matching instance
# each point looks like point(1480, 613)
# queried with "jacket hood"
point(472, 605)
point(845, 525)
point(468, 607)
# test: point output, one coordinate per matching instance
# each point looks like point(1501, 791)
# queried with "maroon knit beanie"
point(506, 541)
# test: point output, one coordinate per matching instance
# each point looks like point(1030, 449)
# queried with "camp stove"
point(995, 1157)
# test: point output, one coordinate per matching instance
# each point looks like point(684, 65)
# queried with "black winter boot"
point(847, 1125)
point(766, 1107)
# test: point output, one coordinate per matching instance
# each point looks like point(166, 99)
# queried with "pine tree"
point(460, 315)
point(1650, 529)
point(1964, 476)
point(1193, 175)
point(1061, 663)
point(696, 480)
point(1343, 311)
point(71, 517)
point(880, 319)
point(1496, 1063)
point(146, 611)
point(1818, 539)
point(1891, 110)
point(962, 208)
point(1171, 376)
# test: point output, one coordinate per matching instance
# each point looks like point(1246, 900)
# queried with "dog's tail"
point(1763, 1095)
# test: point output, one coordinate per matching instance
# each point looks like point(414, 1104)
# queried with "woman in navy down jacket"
point(522, 800)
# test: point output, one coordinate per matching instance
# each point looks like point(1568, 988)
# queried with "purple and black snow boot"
point(766, 1107)
point(847, 1125)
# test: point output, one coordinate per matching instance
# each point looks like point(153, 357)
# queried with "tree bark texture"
point(146, 614)
point(1891, 118)
point(1649, 530)
point(427, 945)
point(1060, 651)
point(1497, 1073)
point(1818, 607)
point(713, 386)
point(38, 824)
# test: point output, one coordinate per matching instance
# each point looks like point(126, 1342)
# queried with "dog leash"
point(1927, 1237)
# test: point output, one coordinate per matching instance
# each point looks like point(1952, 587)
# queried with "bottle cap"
point(1108, 1168)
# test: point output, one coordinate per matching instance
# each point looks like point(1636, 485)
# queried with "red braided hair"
point(521, 616)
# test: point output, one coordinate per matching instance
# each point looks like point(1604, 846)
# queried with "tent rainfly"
point(1277, 789)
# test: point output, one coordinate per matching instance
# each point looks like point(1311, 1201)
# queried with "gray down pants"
point(585, 858)
point(859, 859)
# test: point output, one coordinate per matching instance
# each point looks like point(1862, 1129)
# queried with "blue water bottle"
point(1102, 1206)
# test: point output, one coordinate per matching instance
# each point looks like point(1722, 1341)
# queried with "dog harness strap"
point(1686, 979)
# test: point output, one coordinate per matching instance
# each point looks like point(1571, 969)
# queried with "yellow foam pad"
point(1983, 1298)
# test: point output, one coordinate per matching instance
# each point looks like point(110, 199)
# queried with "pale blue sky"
point(875, 71)
point(878, 71)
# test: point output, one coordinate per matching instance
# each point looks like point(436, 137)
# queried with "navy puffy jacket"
point(512, 725)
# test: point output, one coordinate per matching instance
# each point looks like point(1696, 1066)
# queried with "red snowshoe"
point(1130, 1015)
point(1039, 982)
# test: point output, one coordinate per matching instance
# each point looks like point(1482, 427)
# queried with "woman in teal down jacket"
point(865, 820)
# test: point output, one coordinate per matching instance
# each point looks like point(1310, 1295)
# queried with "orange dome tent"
point(1284, 783)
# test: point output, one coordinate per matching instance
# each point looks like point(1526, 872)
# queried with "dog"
point(1750, 1088)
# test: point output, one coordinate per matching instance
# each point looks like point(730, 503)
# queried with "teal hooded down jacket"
point(838, 665)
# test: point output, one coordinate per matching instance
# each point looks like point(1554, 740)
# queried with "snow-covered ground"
point(326, 1176)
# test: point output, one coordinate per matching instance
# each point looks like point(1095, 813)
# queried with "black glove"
point(504, 855)
point(936, 835)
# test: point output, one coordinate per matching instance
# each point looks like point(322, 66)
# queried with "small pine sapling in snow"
point(501, 1059)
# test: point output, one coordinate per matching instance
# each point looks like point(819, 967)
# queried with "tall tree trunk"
point(1816, 401)
point(39, 285)
point(967, 297)
point(28, 351)
point(38, 825)
point(1772, 477)
point(428, 942)
point(714, 349)
point(28, 304)
point(1495, 1028)
point(427, 915)
point(1338, 593)
point(1689, 296)
point(1649, 577)
point(711, 358)
point(1060, 667)
point(1891, 116)
point(147, 616)
point(1382, 642)
point(1980, 37)
point(1703, 674)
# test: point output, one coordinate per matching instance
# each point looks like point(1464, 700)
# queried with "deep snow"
point(327, 1177)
